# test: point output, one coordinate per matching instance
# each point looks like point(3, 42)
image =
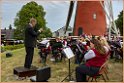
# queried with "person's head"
point(33, 21)
point(88, 42)
point(62, 38)
point(69, 38)
point(103, 41)
point(82, 37)
point(94, 43)
point(57, 38)
point(93, 36)
point(99, 37)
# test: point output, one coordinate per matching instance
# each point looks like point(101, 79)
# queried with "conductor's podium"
point(25, 72)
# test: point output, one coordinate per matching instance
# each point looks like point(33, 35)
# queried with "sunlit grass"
point(58, 70)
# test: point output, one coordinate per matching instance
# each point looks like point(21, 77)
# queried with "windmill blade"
point(69, 15)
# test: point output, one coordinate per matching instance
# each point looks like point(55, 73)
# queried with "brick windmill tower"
point(90, 18)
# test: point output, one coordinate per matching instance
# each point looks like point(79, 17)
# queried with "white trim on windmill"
point(112, 26)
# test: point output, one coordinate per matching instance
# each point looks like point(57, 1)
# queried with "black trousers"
point(43, 56)
point(82, 71)
point(29, 56)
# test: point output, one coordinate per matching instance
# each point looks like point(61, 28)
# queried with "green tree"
point(5, 28)
point(46, 33)
point(10, 26)
point(31, 9)
point(119, 22)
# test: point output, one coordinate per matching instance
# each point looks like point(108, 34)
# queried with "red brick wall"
point(84, 18)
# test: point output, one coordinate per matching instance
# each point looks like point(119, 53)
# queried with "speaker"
point(8, 54)
point(42, 75)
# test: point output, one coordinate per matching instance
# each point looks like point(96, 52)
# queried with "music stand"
point(69, 54)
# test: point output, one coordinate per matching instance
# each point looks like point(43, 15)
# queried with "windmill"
point(107, 9)
point(69, 15)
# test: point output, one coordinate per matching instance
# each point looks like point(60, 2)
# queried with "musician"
point(95, 58)
point(81, 49)
point(30, 41)
point(69, 41)
point(64, 44)
point(82, 38)
point(56, 48)
point(45, 48)
point(105, 44)
point(58, 39)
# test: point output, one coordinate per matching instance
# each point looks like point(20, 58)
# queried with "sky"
point(56, 12)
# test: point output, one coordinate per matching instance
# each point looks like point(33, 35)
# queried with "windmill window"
point(94, 16)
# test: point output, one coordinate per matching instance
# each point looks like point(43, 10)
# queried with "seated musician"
point(84, 41)
point(44, 47)
point(69, 41)
point(82, 48)
point(64, 44)
point(56, 49)
point(105, 44)
point(95, 58)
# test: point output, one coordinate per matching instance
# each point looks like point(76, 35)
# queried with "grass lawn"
point(58, 70)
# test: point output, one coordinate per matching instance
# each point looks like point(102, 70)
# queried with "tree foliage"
point(10, 26)
point(119, 22)
point(31, 9)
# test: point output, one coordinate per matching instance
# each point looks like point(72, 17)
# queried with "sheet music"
point(68, 52)
point(44, 41)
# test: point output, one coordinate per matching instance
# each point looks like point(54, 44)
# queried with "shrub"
point(12, 47)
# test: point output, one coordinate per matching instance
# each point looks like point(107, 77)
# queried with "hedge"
point(12, 47)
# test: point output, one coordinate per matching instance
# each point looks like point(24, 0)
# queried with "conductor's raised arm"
point(32, 32)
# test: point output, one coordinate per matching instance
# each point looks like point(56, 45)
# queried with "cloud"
point(56, 11)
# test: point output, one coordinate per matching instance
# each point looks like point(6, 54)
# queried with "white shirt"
point(84, 43)
point(89, 55)
point(121, 44)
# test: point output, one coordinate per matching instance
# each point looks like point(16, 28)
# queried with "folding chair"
point(102, 70)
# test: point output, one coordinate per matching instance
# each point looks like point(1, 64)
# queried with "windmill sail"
point(69, 15)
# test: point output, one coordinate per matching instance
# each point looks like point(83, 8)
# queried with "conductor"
point(30, 42)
